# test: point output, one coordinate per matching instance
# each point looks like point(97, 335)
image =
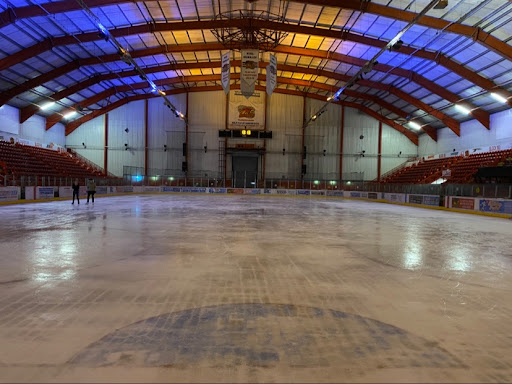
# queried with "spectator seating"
point(23, 160)
point(461, 169)
point(423, 172)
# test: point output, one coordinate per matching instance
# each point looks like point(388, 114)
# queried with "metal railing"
point(179, 179)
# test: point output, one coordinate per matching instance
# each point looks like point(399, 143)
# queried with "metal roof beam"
point(6, 96)
point(439, 58)
point(28, 111)
point(70, 127)
point(13, 14)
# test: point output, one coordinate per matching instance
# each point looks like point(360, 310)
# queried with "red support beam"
point(105, 152)
point(475, 33)
point(303, 139)
point(379, 152)
point(437, 57)
point(342, 129)
point(30, 110)
point(70, 127)
point(146, 117)
point(38, 81)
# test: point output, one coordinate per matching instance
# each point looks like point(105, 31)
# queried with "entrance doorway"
point(245, 170)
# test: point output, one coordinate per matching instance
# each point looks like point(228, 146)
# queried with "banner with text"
point(246, 112)
point(271, 74)
point(249, 73)
point(226, 72)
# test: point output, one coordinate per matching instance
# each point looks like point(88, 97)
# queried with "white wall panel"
point(284, 119)
point(128, 117)
point(9, 122)
point(92, 134)
point(473, 135)
point(207, 116)
point(394, 142)
point(56, 135)
point(322, 134)
point(33, 129)
point(164, 128)
point(359, 124)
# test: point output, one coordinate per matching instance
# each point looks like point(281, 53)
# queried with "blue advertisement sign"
point(171, 189)
point(218, 190)
point(496, 206)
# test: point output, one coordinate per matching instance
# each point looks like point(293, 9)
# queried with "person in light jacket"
point(76, 191)
point(91, 189)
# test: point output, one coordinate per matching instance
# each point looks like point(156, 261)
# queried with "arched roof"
point(459, 54)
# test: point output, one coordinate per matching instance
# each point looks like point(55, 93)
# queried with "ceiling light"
point(414, 125)
point(70, 114)
point(330, 98)
point(47, 105)
point(462, 109)
point(498, 97)
point(162, 93)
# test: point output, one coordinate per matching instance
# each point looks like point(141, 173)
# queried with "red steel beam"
point(475, 33)
point(29, 111)
point(70, 127)
point(439, 58)
point(56, 117)
point(201, 47)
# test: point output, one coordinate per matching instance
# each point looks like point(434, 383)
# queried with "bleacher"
point(459, 170)
point(467, 167)
point(24, 160)
point(423, 172)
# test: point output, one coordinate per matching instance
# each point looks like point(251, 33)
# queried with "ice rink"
point(202, 288)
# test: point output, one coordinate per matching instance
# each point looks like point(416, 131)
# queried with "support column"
point(379, 154)
point(303, 138)
point(226, 143)
point(146, 138)
point(342, 133)
point(267, 100)
point(186, 140)
point(105, 151)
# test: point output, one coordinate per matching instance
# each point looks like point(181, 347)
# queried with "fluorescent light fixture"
point(498, 97)
point(70, 114)
point(47, 105)
point(414, 125)
point(316, 182)
point(349, 182)
point(462, 109)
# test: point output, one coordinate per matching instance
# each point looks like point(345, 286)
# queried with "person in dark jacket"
point(91, 189)
point(76, 191)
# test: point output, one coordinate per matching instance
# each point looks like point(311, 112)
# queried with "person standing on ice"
point(91, 189)
point(76, 191)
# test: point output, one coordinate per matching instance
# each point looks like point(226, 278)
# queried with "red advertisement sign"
point(461, 203)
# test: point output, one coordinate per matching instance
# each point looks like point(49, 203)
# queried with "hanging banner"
point(246, 112)
point(226, 69)
point(271, 75)
point(249, 73)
